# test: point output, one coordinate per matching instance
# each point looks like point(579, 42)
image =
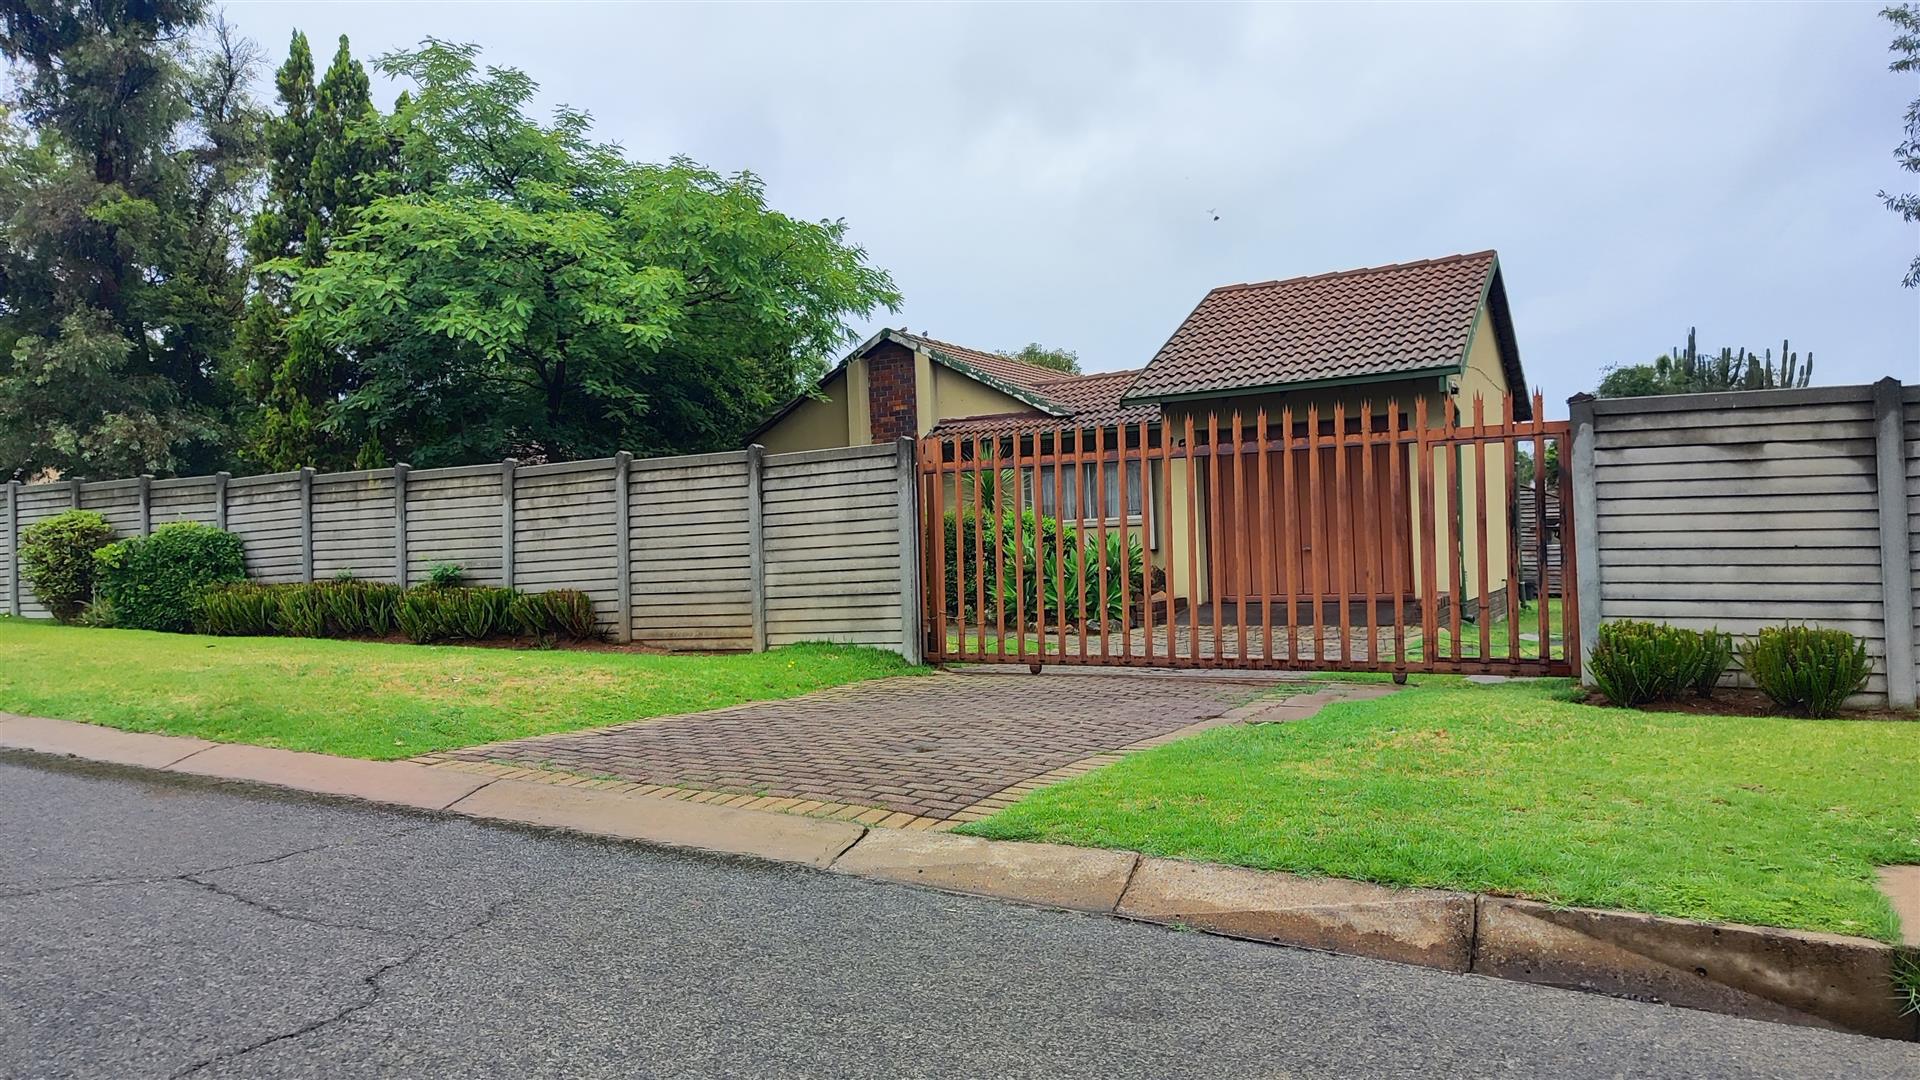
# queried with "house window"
point(1083, 494)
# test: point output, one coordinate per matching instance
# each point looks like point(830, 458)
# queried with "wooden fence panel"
point(713, 551)
point(454, 517)
point(1910, 437)
point(191, 498)
point(353, 525)
point(116, 500)
point(265, 512)
point(36, 503)
point(9, 529)
point(693, 552)
point(833, 547)
point(564, 532)
point(1743, 510)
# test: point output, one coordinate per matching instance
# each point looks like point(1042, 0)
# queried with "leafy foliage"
point(359, 608)
point(531, 292)
point(158, 582)
point(302, 611)
point(1906, 49)
point(1636, 662)
point(446, 575)
point(131, 144)
point(330, 155)
point(452, 283)
point(466, 613)
point(1806, 668)
point(1685, 371)
point(56, 560)
point(1523, 466)
point(1716, 655)
point(1060, 569)
point(557, 613)
point(1033, 352)
point(242, 610)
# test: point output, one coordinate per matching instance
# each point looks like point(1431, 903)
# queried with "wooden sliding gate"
point(1365, 540)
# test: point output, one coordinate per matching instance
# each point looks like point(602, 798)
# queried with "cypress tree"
point(330, 155)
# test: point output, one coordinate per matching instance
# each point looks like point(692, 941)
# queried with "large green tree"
point(528, 290)
point(132, 147)
point(330, 155)
point(1906, 49)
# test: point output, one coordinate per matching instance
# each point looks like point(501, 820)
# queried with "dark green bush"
point(348, 608)
point(418, 616)
point(1807, 668)
point(454, 614)
point(1636, 662)
point(559, 613)
point(239, 610)
point(302, 611)
point(356, 608)
point(56, 560)
point(157, 582)
point(1716, 655)
point(1058, 563)
point(477, 613)
point(446, 576)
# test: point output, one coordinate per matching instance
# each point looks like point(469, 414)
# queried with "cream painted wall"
point(955, 395)
point(844, 419)
point(859, 405)
point(816, 424)
point(1485, 377)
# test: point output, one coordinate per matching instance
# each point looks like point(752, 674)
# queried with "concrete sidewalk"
point(1802, 978)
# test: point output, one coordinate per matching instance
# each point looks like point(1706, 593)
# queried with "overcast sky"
point(1052, 172)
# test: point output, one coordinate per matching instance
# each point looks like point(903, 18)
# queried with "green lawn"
point(383, 701)
point(1512, 789)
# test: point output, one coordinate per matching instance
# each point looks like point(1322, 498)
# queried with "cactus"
point(1686, 371)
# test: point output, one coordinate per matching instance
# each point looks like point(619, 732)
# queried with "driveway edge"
point(1794, 977)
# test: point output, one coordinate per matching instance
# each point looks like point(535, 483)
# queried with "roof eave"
point(1451, 368)
point(1012, 390)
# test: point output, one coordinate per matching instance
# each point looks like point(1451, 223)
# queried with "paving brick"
point(924, 746)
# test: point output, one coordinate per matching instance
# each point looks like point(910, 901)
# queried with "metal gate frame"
point(1002, 582)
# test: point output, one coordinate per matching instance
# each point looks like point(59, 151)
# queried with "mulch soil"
point(1739, 702)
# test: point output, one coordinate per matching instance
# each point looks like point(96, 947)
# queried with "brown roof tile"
point(1091, 400)
point(1018, 372)
point(1374, 321)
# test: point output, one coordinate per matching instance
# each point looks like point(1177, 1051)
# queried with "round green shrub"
point(56, 560)
point(1807, 668)
point(158, 582)
point(1636, 662)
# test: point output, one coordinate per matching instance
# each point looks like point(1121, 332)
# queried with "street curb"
point(1794, 977)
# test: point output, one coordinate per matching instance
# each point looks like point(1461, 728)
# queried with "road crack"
point(372, 982)
point(191, 876)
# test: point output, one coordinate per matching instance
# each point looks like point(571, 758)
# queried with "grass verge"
point(1515, 790)
point(381, 701)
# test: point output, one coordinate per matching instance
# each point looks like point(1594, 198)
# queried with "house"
point(1437, 331)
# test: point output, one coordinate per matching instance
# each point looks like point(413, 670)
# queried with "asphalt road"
point(171, 927)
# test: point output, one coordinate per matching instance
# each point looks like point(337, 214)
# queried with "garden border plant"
point(1809, 670)
point(56, 560)
point(425, 614)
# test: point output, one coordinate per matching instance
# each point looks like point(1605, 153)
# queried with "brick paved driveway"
point(929, 746)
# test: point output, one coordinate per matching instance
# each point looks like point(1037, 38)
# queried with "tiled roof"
point(1374, 321)
point(1005, 368)
point(1090, 400)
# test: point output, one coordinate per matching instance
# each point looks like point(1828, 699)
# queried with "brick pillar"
point(892, 405)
